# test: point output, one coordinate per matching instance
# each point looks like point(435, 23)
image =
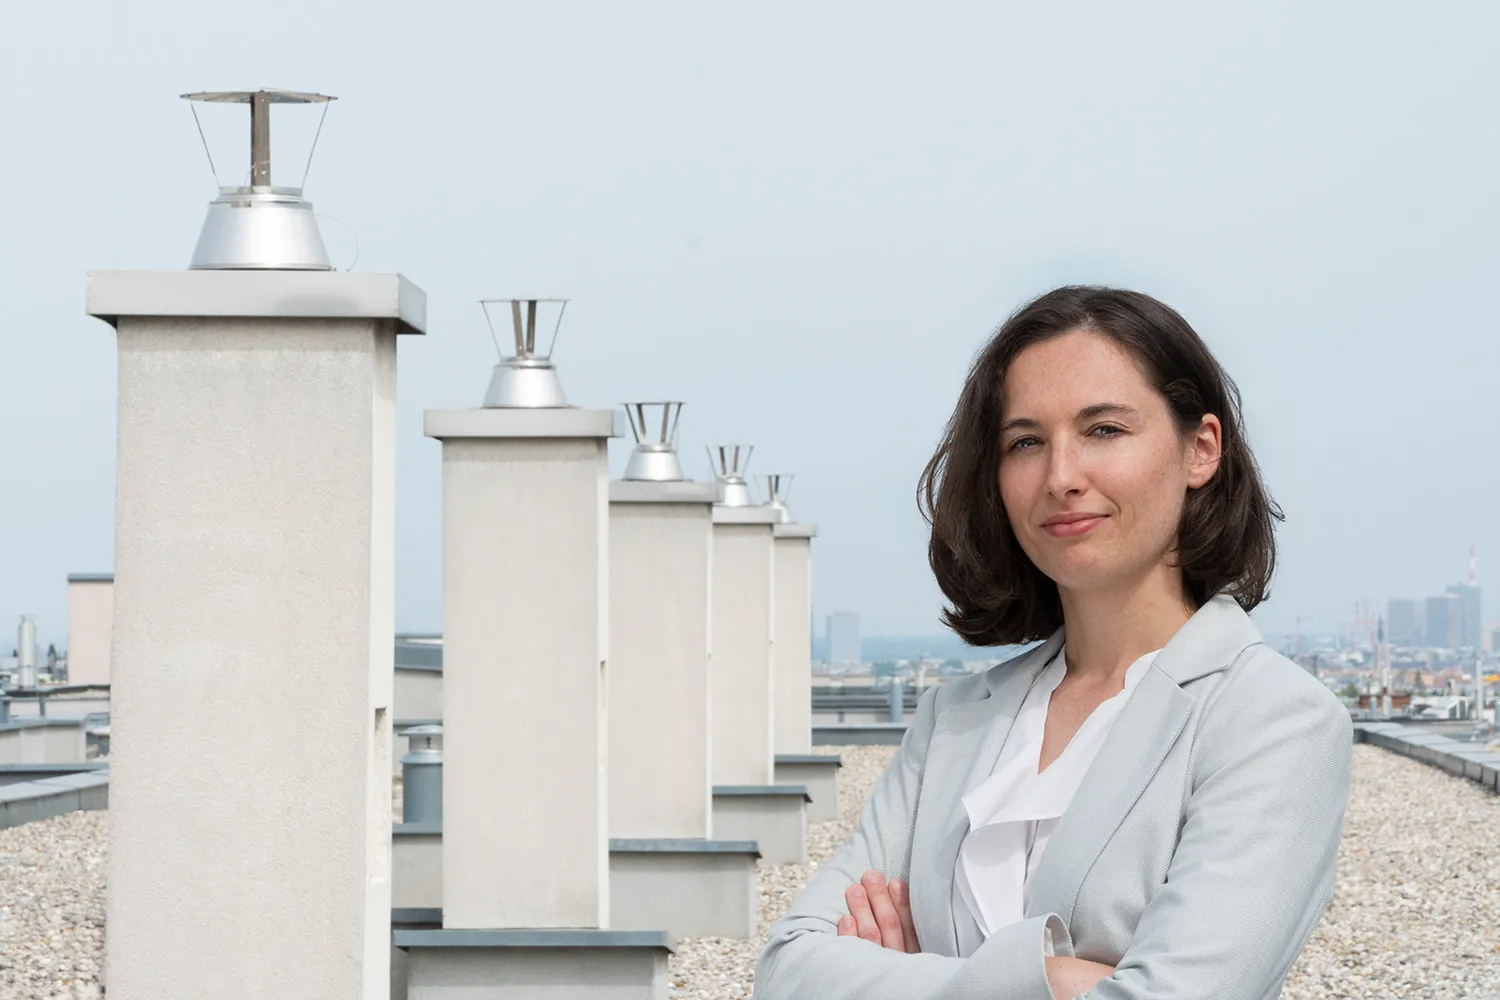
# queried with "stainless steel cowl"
point(655, 456)
point(260, 226)
point(268, 228)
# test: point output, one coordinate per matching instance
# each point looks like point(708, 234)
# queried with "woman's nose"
point(1064, 469)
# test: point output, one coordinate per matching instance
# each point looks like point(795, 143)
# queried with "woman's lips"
point(1073, 526)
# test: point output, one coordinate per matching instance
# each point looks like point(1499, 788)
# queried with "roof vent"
point(655, 456)
point(528, 379)
point(778, 485)
point(259, 226)
point(730, 473)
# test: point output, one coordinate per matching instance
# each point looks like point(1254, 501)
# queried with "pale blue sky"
point(803, 219)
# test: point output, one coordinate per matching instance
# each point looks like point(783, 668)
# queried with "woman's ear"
point(1204, 450)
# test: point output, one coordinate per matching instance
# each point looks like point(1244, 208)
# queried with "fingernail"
point(859, 893)
point(872, 878)
point(897, 888)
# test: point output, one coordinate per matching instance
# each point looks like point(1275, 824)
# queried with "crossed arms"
point(1240, 901)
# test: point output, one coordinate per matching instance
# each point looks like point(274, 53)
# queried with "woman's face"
point(1093, 472)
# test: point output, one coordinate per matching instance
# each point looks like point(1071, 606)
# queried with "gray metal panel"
point(251, 294)
point(86, 779)
point(417, 915)
point(761, 791)
point(810, 758)
point(855, 734)
point(14, 724)
point(416, 829)
point(540, 938)
point(91, 578)
point(667, 845)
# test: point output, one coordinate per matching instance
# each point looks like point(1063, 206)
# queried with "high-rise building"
point(1444, 628)
point(1401, 625)
point(1468, 613)
point(843, 638)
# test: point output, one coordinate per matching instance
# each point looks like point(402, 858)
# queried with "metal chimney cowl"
point(260, 227)
point(527, 380)
point(777, 486)
point(730, 474)
point(655, 456)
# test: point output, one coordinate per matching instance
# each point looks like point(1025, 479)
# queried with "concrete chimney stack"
point(525, 850)
point(253, 613)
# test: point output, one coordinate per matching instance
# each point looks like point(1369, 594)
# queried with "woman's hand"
point(880, 913)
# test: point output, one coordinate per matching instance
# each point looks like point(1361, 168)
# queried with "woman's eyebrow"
point(1087, 413)
point(1106, 409)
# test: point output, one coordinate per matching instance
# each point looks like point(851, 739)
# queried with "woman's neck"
point(1108, 630)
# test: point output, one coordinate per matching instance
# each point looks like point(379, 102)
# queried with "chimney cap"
point(527, 379)
point(246, 96)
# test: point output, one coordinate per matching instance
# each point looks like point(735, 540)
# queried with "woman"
point(1148, 804)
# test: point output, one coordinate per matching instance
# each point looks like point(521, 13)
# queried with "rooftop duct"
point(778, 485)
point(259, 226)
point(730, 473)
point(655, 456)
point(527, 379)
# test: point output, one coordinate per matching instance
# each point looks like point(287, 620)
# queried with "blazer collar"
point(969, 737)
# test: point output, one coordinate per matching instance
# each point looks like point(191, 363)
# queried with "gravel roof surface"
point(1415, 912)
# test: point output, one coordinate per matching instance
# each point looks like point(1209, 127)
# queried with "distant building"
point(1401, 625)
point(843, 638)
point(1468, 613)
point(1444, 626)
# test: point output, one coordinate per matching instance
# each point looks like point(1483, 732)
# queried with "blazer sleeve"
point(1254, 868)
point(805, 958)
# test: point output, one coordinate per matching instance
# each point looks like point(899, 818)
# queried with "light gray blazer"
point(1197, 855)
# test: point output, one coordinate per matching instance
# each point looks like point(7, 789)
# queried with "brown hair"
point(1224, 543)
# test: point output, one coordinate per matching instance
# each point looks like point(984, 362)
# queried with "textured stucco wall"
point(252, 660)
point(419, 694)
point(525, 569)
point(660, 561)
point(90, 621)
point(743, 665)
point(793, 710)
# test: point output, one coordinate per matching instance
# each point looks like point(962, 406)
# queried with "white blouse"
point(1013, 812)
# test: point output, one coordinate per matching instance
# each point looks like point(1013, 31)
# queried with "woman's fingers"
point(901, 896)
point(891, 934)
point(846, 927)
point(860, 912)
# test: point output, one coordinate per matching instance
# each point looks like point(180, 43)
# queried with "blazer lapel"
point(967, 740)
point(1146, 728)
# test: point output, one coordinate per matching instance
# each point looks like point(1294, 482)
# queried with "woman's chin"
point(1082, 574)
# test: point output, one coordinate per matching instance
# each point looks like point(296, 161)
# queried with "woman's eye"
point(1021, 443)
point(1110, 428)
